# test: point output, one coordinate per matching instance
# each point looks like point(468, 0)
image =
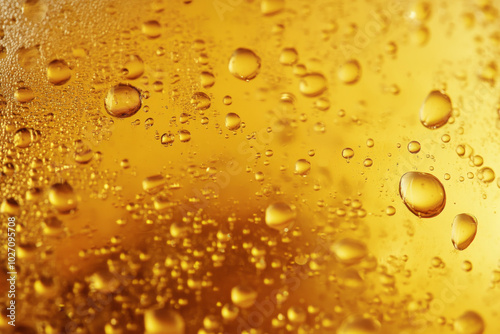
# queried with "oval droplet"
point(463, 230)
point(122, 101)
point(152, 29)
point(62, 197)
point(312, 84)
point(414, 147)
point(24, 95)
point(243, 296)
point(200, 101)
point(23, 138)
point(469, 322)
point(244, 64)
point(350, 72)
point(58, 72)
point(279, 216)
point(134, 67)
point(270, 7)
point(436, 110)
point(422, 193)
point(289, 56)
point(163, 320)
point(357, 324)
point(233, 121)
point(349, 251)
point(302, 167)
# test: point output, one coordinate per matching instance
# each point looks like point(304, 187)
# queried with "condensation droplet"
point(279, 216)
point(233, 121)
point(414, 147)
point(463, 230)
point(243, 296)
point(312, 84)
point(349, 251)
point(469, 322)
point(422, 193)
point(122, 101)
point(244, 64)
point(62, 197)
point(350, 72)
point(58, 72)
point(302, 167)
point(152, 29)
point(436, 110)
point(288, 56)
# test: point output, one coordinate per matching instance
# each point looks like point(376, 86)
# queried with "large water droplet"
point(58, 72)
point(233, 121)
point(270, 7)
point(244, 64)
point(469, 323)
point(463, 230)
point(350, 72)
point(243, 296)
point(302, 167)
point(279, 216)
point(357, 324)
point(62, 197)
point(312, 84)
point(200, 101)
point(422, 193)
point(349, 251)
point(122, 101)
point(436, 110)
point(164, 321)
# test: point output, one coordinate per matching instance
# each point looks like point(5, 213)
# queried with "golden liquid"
point(251, 166)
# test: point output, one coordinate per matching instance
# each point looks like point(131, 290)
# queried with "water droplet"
point(350, 72)
point(390, 211)
point(233, 121)
point(153, 184)
point(230, 312)
point(167, 139)
point(207, 79)
point(289, 56)
point(152, 29)
point(22, 138)
point(24, 95)
point(184, 136)
point(122, 101)
point(368, 162)
point(62, 197)
point(347, 153)
point(466, 266)
point(486, 174)
point(357, 324)
point(436, 110)
point(312, 84)
point(279, 216)
point(243, 296)
point(296, 315)
point(10, 207)
point(200, 101)
point(270, 7)
point(164, 321)
point(370, 142)
point(244, 64)
point(227, 100)
point(469, 322)
point(349, 251)
point(414, 147)
point(134, 67)
point(463, 230)
point(58, 72)
point(302, 167)
point(422, 193)
point(446, 138)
